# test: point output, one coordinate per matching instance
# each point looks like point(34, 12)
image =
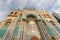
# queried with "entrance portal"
point(34, 38)
point(31, 17)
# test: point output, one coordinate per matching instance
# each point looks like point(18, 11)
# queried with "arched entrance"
point(31, 17)
point(32, 20)
point(34, 38)
point(53, 38)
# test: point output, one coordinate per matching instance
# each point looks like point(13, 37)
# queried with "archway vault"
point(31, 15)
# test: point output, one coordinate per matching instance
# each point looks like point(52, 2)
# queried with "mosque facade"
point(29, 24)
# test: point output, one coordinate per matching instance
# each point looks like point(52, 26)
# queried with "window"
point(15, 13)
point(39, 15)
point(11, 12)
point(20, 14)
point(44, 23)
point(48, 16)
point(44, 15)
point(8, 22)
point(52, 22)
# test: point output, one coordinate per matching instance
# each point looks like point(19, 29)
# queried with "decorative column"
point(43, 32)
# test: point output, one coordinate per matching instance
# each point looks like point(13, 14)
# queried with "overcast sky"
point(7, 5)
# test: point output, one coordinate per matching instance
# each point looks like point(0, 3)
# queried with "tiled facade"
point(29, 23)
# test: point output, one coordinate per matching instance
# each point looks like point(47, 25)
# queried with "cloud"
point(38, 4)
point(56, 6)
point(3, 14)
point(7, 5)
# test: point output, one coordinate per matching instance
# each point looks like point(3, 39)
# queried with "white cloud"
point(7, 5)
point(58, 2)
point(9, 1)
point(3, 14)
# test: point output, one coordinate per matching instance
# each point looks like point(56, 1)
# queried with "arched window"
point(39, 15)
point(44, 15)
point(15, 13)
point(48, 16)
point(20, 14)
point(44, 23)
point(11, 13)
point(8, 22)
point(52, 22)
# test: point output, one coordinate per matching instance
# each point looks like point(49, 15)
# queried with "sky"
point(7, 5)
